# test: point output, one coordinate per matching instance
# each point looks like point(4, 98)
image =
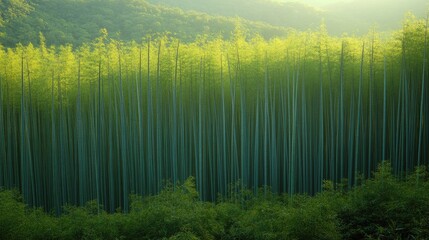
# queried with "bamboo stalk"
point(422, 96)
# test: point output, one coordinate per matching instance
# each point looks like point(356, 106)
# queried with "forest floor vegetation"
point(382, 207)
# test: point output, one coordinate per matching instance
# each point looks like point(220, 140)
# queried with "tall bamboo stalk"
point(422, 96)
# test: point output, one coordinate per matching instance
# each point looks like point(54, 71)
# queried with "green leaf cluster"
point(383, 207)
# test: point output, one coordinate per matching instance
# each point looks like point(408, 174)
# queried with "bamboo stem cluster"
point(111, 119)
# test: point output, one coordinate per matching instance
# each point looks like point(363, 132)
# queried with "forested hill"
point(79, 21)
point(288, 14)
point(340, 16)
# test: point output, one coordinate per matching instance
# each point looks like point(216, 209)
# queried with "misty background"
point(78, 21)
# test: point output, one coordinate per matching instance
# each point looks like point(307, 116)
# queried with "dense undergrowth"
point(383, 207)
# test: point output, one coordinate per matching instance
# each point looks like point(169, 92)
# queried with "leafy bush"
point(39, 225)
point(17, 221)
point(88, 222)
point(228, 214)
point(381, 208)
point(315, 218)
point(386, 208)
point(12, 215)
point(264, 220)
point(175, 210)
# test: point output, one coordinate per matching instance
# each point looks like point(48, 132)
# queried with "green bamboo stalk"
point(81, 142)
point(223, 169)
point(28, 135)
point(212, 137)
point(256, 148)
point(150, 158)
point(398, 147)
point(340, 139)
point(182, 144)
point(104, 166)
point(159, 152)
point(235, 173)
point(321, 124)
point(233, 144)
point(4, 178)
point(193, 128)
point(244, 176)
point(400, 114)
point(266, 119)
point(290, 121)
point(99, 123)
point(123, 130)
point(132, 130)
point(24, 176)
point(303, 162)
point(351, 138)
point(212, 159)
point(62, 158)
point(304, 150)
point(422, 96)
point(113, 185)
point(141, 159)
point(383, 158)
point(370, 107)
point(285, 97)
point(359, 110)
point(199, 162)
point(294, 155)
point(331, 123)
point(174, 134)
point(56, 181)
point(11, 160)
point(283, 144)
point(273, 144)
point(36, 155)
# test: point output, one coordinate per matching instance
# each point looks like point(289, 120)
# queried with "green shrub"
point(12, 215)
point(228, 214)
point(381, 208)
point(315, 218)
point(386, 208)
point(184, 236)
point(40, 225)
point(264, 220)
point(175, 210)
point(18, 221)
point(88, 222)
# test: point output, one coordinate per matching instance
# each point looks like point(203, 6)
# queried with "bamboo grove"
point(110, 119)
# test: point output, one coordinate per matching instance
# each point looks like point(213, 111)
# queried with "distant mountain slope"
point(287, 14)
point(341, 16)
point(79, 21)
point(359, 15)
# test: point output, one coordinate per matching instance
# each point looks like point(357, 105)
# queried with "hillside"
point(77, 22)
point(288, 14)
point(359, 15)
point(341, 16)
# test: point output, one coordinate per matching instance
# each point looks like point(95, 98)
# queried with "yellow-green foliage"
point(299, 48)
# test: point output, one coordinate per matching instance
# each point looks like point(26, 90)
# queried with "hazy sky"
point(321, 3)
point(316, 2)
